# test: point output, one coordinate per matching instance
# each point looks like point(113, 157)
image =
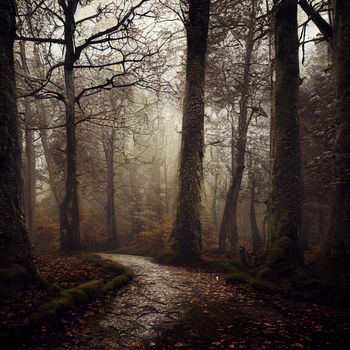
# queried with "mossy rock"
point(237, 278)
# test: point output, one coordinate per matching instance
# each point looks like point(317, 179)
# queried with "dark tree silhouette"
point(338, 243)
point(286, 194)
point(14, 245)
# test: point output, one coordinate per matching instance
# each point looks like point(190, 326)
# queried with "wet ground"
point(175, 308)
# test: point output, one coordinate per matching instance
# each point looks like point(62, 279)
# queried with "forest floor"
point(39, 305)
point(176, 308)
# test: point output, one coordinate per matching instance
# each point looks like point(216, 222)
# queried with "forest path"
point(176, 308)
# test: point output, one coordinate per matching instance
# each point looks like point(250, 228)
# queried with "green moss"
point(77, 294)
point(116, 283)
point(92, 289)
point(106, 265)
point(237, 278)
point(53, 308)
point(281, 262)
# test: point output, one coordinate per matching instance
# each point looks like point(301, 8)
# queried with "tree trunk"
point(226, 221)
point(166, 189)
point(14, 245)
point(50, 161)
point(41, 112)
point(187, 227)
point(286, 194)
point(214, 204)
point(256, 237)
point(238, 153)
point(214, 216)
point(337, 254)
point(69, 211)
point(108, 146)
point(29, 164)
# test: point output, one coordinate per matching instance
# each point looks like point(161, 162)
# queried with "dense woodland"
point(208, 133)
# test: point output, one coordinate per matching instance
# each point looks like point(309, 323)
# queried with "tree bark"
point(186, 232)
point(14, 245)
point(108, 146)
point(69, 211)
point(337, 253)
point(286, 197)
point(256, 237)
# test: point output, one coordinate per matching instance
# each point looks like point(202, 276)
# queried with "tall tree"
point(286, 194)
point(29, 163)
point(108, 144)
point(14, 245)
point(338, 243)
point(242, 84)
point(69, 210)
point(186, 232)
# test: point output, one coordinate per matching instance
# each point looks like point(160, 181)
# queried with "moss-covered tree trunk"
point(337, 254)
point(186, 232)
point(286, 194)
point(15, 253)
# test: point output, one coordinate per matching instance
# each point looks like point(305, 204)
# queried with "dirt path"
point(174, 308)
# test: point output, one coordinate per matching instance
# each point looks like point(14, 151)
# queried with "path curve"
point(176, 308)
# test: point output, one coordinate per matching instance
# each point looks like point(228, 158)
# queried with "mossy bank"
point(63, 300)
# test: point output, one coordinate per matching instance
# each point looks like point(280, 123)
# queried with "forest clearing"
point(174, 174)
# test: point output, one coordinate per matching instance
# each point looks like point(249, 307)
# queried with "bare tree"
point(62, 14)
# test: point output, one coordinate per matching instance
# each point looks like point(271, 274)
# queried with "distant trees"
point(237, 91)
point(247, 87)
point(15, 252)
point(186, 232)
point(124, 52)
